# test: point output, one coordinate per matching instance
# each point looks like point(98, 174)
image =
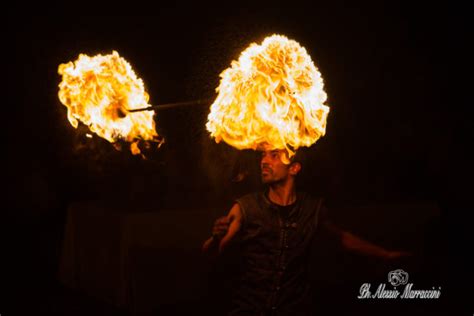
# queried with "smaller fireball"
point(99, 90)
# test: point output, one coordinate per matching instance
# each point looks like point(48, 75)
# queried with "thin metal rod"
point(171, 105)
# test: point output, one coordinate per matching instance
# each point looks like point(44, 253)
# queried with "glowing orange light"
point(97, 91)
point(273, 94)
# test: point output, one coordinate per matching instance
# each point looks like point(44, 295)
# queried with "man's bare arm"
point(357, 244)
point(224, 230)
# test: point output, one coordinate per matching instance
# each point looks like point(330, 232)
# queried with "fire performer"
point(272, 100)
point(273, 232)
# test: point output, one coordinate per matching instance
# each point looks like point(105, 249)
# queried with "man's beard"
point(269, 178)
point(266, 180)
point(266, 175)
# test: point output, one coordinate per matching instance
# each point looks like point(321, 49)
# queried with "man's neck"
point(282, 194)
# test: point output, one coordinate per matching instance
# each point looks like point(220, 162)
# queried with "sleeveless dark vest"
point(274, 252)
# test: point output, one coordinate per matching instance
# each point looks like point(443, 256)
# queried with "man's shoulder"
point(305, 196)
point(253, 196)
point(260, 195)
point(312, 202)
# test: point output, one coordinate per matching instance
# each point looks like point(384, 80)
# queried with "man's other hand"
point(220, 228)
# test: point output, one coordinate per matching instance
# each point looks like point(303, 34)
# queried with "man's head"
point(273, 167)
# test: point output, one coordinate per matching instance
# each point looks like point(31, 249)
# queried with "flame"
point(272, 95)
point(98, 91)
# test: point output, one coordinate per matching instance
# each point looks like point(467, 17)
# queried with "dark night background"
point(397, 132)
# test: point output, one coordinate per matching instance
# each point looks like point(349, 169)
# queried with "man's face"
point(273, 169)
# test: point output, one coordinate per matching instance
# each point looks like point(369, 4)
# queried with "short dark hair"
point(300, 156)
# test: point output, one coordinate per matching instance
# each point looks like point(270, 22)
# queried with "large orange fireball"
point(272, 94)
point(99, 90)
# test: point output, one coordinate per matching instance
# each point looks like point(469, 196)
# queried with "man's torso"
point(273, 246)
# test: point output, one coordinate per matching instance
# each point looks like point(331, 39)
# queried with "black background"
point(398, 128)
